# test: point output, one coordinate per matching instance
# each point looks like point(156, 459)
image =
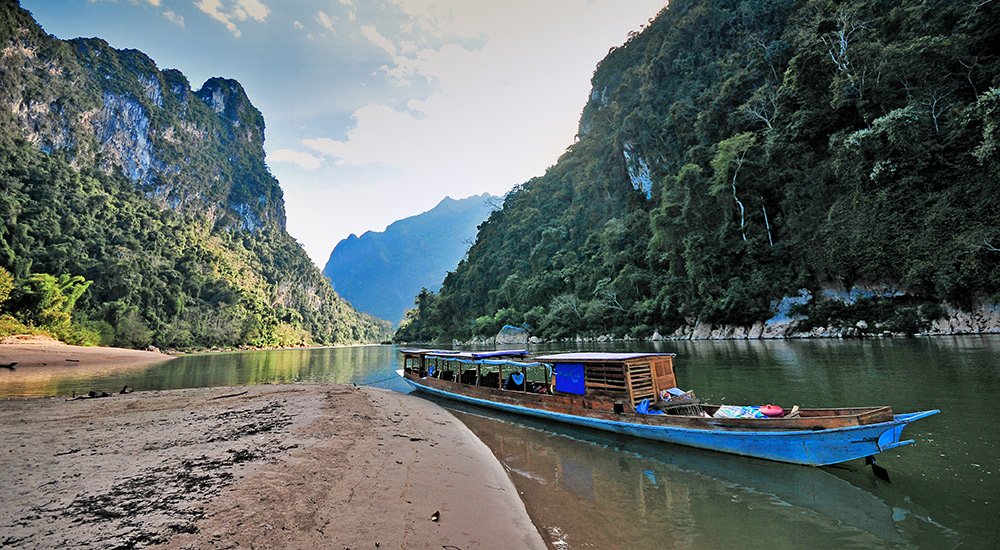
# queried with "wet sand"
point(283, 466)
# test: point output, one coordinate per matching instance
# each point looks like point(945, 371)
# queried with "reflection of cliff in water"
point(589, 489)
point(372, 365)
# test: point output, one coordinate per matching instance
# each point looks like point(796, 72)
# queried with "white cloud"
point(305, 160)
point(372, 34)
point(298, 25)
point(252, 8)
point(352, 10)
point(504, 108)
point(511, 80)
point(173, 17)
point(238, 10)
point(325, 20)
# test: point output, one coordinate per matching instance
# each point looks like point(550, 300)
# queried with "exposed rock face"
point(985, 318)
point(123, 130)
point(115, 109)
point(512, 335)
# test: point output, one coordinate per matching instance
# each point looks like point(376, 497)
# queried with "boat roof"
point(465, 354)
point(595, 356)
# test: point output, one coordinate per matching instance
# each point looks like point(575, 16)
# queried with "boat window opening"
point(491, 379)
point(501, 374)
point(640, 383)
point(469, 377)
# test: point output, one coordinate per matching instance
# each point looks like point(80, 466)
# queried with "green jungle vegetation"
point(784, 145)
point(136, 212)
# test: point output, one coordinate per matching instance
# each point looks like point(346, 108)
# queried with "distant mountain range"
point(379, 273)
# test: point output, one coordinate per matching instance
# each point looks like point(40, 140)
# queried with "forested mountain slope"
point(736, 152)
point(115, 172)
point(380, 272)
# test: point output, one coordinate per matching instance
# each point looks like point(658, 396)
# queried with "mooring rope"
point(377, 381)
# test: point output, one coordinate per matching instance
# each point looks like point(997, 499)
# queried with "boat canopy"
point(596, 356)
point(468, 355)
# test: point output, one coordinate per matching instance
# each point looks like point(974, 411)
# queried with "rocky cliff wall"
point(116, 110)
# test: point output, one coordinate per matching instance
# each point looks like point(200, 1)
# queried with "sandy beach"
point(41, 351)
point(41, 362)
point(283, 466)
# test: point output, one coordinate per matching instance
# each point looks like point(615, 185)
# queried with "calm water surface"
point(590, 490)
point(370, 365)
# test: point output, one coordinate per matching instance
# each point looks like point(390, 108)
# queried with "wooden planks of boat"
point(599, 407)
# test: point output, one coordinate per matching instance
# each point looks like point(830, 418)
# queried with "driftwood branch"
point(230, 395)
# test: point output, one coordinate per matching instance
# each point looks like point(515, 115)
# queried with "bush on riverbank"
point(42, 305)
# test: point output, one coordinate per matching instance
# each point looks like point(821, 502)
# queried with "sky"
point(375, 110)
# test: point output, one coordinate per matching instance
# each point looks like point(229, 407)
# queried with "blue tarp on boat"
point(585, 356)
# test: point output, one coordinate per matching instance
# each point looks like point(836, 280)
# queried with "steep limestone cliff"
point(734, 153)
point(105, 157)
point(191, 151)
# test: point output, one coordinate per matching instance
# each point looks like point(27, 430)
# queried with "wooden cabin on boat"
point(623, 378)
point(616, 382)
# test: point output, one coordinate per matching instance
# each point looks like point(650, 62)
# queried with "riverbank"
point(38, 361)
point(36, 350)
point(981, 321)
point(40, 351)
point(293, 466)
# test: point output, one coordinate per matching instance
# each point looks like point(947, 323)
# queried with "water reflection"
point(370, 365)
point(589, 489)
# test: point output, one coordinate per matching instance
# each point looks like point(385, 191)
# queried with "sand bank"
point(40, 361)
point(285, 466)
point(34, 351)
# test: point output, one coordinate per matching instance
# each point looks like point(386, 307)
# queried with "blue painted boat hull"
point(809, 447)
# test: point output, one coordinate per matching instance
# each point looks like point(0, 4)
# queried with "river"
point(590, 490)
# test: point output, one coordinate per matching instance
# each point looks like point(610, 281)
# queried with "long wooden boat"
point(636, 394)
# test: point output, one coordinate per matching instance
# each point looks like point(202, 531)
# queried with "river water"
point(587, 489)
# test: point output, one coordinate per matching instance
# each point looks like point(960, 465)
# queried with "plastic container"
point(771, 411)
